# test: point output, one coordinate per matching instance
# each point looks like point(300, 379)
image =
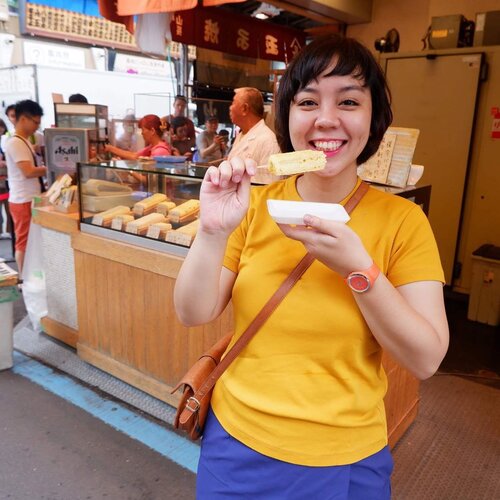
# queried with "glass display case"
point(145, 203)
point(89, 116)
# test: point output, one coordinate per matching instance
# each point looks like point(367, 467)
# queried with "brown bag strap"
point(269, 307)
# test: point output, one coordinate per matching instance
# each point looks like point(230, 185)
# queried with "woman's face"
point(147, 134)
point(182, 132)
point(332, 114)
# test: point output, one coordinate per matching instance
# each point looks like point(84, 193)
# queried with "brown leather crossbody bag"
point(200, 379)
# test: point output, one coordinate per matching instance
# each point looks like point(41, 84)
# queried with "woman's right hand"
point(225, 195)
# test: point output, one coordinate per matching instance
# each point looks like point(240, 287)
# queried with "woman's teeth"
point(327, 145)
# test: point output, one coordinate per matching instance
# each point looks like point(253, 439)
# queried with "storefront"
point(111, 297)
point(121, 284)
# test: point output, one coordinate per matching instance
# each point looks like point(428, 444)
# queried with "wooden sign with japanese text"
point(391, 163)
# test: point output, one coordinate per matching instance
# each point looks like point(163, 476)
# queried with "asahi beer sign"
point(65, 151)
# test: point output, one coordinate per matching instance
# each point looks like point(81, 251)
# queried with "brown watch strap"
point(270, 306)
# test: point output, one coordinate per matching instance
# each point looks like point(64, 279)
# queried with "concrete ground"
point(53, 450)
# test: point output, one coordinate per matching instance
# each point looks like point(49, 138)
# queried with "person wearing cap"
point(255, 139)
point(152, 132)
point(210, 145)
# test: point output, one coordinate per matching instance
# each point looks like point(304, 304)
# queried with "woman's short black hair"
point(351, 58)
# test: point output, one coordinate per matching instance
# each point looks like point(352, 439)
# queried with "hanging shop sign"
point(64, 24)
point(53, 55)
point(127, 63)
point(215, 29)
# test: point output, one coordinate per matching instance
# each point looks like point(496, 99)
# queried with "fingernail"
point(237, 178)
point(308, 220)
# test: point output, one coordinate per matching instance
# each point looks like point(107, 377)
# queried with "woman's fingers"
point(250, 167)
point(238, 169)
point(316, 231)
point(235, 171)
point(225, 173)
point(212, 175)
point(299, 233)
point(329, 227)
point(243, 189)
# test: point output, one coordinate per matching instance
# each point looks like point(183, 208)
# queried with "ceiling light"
point(265, 11)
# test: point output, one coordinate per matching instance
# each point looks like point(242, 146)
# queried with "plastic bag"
point(34, 291)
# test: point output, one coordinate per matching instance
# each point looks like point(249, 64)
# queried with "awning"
point(122, 11)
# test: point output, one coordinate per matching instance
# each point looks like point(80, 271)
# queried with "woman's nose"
point(328, 117)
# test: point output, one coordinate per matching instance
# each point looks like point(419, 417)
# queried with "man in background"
point(255, 139)
point(37, 139)
point(180, 105)
point(211, 146)
point(23, 173)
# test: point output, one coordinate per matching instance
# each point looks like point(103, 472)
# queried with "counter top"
point(50, 218)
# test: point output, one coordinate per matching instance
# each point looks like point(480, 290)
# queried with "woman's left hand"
point(333, 243)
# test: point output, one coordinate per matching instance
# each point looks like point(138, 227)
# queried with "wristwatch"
point(362, 281)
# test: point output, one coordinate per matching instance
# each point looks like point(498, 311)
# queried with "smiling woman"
point(300, 412)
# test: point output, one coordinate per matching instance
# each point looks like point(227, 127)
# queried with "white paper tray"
point(293, 212)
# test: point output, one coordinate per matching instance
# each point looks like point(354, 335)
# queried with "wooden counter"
point(126, 317)
point(57, 228)
point(58, 221)
point(128, 326)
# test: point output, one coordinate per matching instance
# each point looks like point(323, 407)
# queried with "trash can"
point(8, 294)
point(484, 299)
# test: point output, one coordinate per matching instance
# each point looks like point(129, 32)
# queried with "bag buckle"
point(195, 402)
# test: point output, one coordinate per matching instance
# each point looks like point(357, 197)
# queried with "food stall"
point(125, 271)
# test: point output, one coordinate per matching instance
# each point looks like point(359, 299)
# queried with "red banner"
point(221, 30)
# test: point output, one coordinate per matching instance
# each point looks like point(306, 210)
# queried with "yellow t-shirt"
point(309, 387)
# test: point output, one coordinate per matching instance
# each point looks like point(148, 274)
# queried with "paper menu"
point(391, 163)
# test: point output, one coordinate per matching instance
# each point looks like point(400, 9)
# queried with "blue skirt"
point(230, 469)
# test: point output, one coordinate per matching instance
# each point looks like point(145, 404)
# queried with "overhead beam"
point(326, 11)
point(326, 29)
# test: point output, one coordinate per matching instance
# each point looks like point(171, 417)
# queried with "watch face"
point(358, 282)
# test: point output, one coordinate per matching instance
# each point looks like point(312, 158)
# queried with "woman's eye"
point(306, 102)
point(348, 102)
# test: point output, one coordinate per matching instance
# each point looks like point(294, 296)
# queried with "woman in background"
point(152, 132)
point(181, 142)
point(4, 188)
